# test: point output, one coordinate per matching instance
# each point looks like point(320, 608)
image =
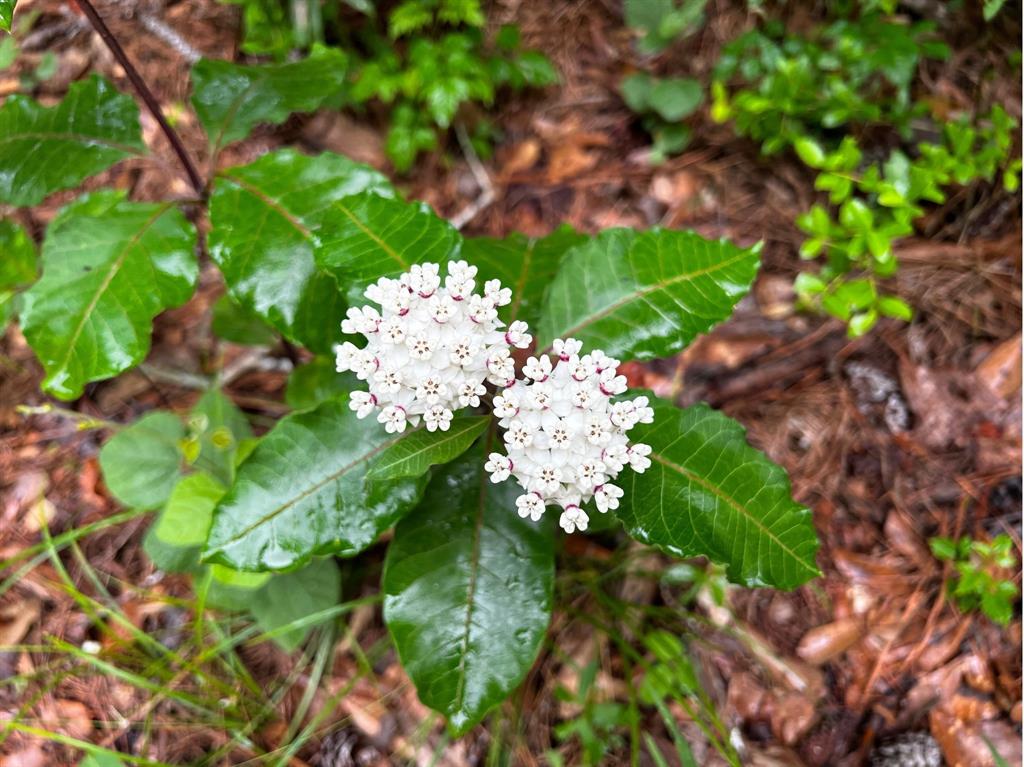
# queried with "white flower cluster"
point(565, 439)
point(431, 347)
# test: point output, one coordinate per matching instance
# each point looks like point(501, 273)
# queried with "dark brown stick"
point(146, 94)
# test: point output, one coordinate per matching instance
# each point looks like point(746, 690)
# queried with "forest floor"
point(909, 432)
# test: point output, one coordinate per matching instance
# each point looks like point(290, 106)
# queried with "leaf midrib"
point(316, 487)
point(466, 424)
point(739, 508)
point(109, 278)
point(661, 285)
point(371, 234)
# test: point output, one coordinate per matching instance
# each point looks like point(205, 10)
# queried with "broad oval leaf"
point(290, 598)
point(219, 428)
point(468, 591)
point(318, 381)
point(644, 295)
point(264, 218)
point(527, 265)
point(232, 98)
point(109, 267)
point(175, 538)
point(367, 236)
point(44, 149)
point(305, 491)
point(709, 493)
point(414, 455)
point(142, 463)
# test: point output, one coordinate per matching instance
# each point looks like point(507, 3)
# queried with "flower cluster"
point(565, 438)
point(430, 347)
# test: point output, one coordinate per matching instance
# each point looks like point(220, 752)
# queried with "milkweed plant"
point(463, 393)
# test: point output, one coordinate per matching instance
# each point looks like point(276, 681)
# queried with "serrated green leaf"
point(224, 429)
point(175, 538)
point(264, 221)
point(526, 265)
point(422, 449)
point(367, 236)
point(304, 491)
point(109, 267)
point(290, 597)
point(230, 99)
point(638, 296)
point(708, 493)
point(45, 149)
point(468, 592)
point(141, 464)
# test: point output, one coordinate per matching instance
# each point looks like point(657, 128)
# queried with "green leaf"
point(109, 267)
point(861, 323)
point(708, 493)
point(175, 539)
point(224, 427)
point(232, 98)
point(45, 149)
point(468, 592)
point(674, 98)
point(415, 455)
point(6, 14)
point(526, 265)
point(638, 296)
point(636, 92)
point(290, 597)
point(304, 491)
point(231, 322)
point(893, 306)
point(368, 236)
point(264, 221)
point(142, 463)
point(318, 381)
point(809, 151)
point(943, 548)
point(19, 267)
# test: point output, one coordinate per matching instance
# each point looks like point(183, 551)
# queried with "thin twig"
point(147, 96)
point(483, 180)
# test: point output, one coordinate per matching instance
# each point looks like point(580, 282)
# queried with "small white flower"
point(431, 391)
point(573, 518)
point(517, 336)
point(437, 417)
point(393, 418)
point(469, 394)
point(538, 368)
point(362, 402)
point(498, 295)
point(607, 497)
point(530, 505)
point(499, 467)
point(566, 349)
point(637, 455)
point(504, 406)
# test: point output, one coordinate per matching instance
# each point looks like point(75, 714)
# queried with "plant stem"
point(146, 94)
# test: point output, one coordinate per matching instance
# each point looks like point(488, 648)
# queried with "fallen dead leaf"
point(823, 643)
point(16, 619)
point(70, 717)
point(1000, 371)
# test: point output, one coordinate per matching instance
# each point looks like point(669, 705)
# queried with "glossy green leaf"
point(221, 427)
point(526, 265)
point(367, 236)
point(290, 597)
point(318, 381)
point(468, 591)
point(19, 267)
point(109, 267)
point(709, 493)
point(142, 463)
point(6, 14)
point(231, 322)
point(643, 295)
point(305, 491)
point(176, 537)
point(415, 455)
point(230, 99)
point(264, 221)
point(44, 149)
